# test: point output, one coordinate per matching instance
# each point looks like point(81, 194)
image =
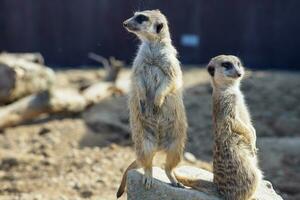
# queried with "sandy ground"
point(83, 156)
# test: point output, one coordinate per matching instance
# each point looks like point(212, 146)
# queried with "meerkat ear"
point(211, 70)
point(159, 26)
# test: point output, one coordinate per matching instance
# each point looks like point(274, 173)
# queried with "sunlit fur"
point(235, 168)
point(157, 114)
point(236, 173)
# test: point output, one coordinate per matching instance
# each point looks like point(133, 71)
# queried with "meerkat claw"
point(179, 185)
point(148, 182)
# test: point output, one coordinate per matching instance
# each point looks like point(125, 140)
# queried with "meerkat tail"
point(122, 186)
point(197, 184)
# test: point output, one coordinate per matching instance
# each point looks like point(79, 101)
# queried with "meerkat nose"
point(125, 24)
point(239, 74)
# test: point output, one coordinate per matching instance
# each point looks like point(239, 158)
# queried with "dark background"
point(264, 33)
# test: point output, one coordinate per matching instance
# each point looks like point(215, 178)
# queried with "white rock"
point(189, 157)
point(162, 189)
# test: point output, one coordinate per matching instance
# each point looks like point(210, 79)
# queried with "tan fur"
point(157, 113)
point(236, 173)
point(198, 184)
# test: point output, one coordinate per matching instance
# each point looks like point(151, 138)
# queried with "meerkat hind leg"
point(147, 178)
point(172, 160)
point(145, 159)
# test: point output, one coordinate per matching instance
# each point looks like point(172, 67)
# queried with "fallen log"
point(20, 77)
point(49, 100)
point(64, 101)
point(112, 66)
point(31, 57)
point(30, 107)
point(99, 91)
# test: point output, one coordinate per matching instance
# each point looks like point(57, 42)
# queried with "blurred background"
point(64, 76)
point(264, 34)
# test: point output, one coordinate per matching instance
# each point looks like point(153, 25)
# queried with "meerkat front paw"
point(159, 100)
point(253, 150)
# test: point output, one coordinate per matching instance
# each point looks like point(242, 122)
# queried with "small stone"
point(63, 197)
point(96, 149)
point(77, 186)
point(54, 180)
point(38, 197)
point(97, 168)
point(44, 131)
point(86, 194)
point(189, 157)
point(8, 163)
point(113, 146)
point(73, 144)
point(88, 160)
point(99, 180)
point(48, 161)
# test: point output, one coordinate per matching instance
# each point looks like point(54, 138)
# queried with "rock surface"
point(162, 190)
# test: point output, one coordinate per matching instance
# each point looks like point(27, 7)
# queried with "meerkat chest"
point(242, 110)
point(152, 75)
point(149, 65)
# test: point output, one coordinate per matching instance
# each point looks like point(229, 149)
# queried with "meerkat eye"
point(211, 70)
point(141, 18)
point(159, 27)
point(227, 65)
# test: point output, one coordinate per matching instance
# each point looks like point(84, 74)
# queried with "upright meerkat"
point(157, 113)
point(236, 173)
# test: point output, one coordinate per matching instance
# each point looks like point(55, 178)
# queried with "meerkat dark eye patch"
point(211, 70)
point(141, 18)
point(159, 27)
point(227, 65)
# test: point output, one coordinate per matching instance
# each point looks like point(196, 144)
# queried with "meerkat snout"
point(136, 23)
point(130, 25)
point(125, 24)
point(232, 69)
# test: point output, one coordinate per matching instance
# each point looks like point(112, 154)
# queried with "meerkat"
point(235, 168)
point(157, 113)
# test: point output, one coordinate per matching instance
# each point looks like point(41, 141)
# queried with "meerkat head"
point(225, 70)
point(148, 25)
